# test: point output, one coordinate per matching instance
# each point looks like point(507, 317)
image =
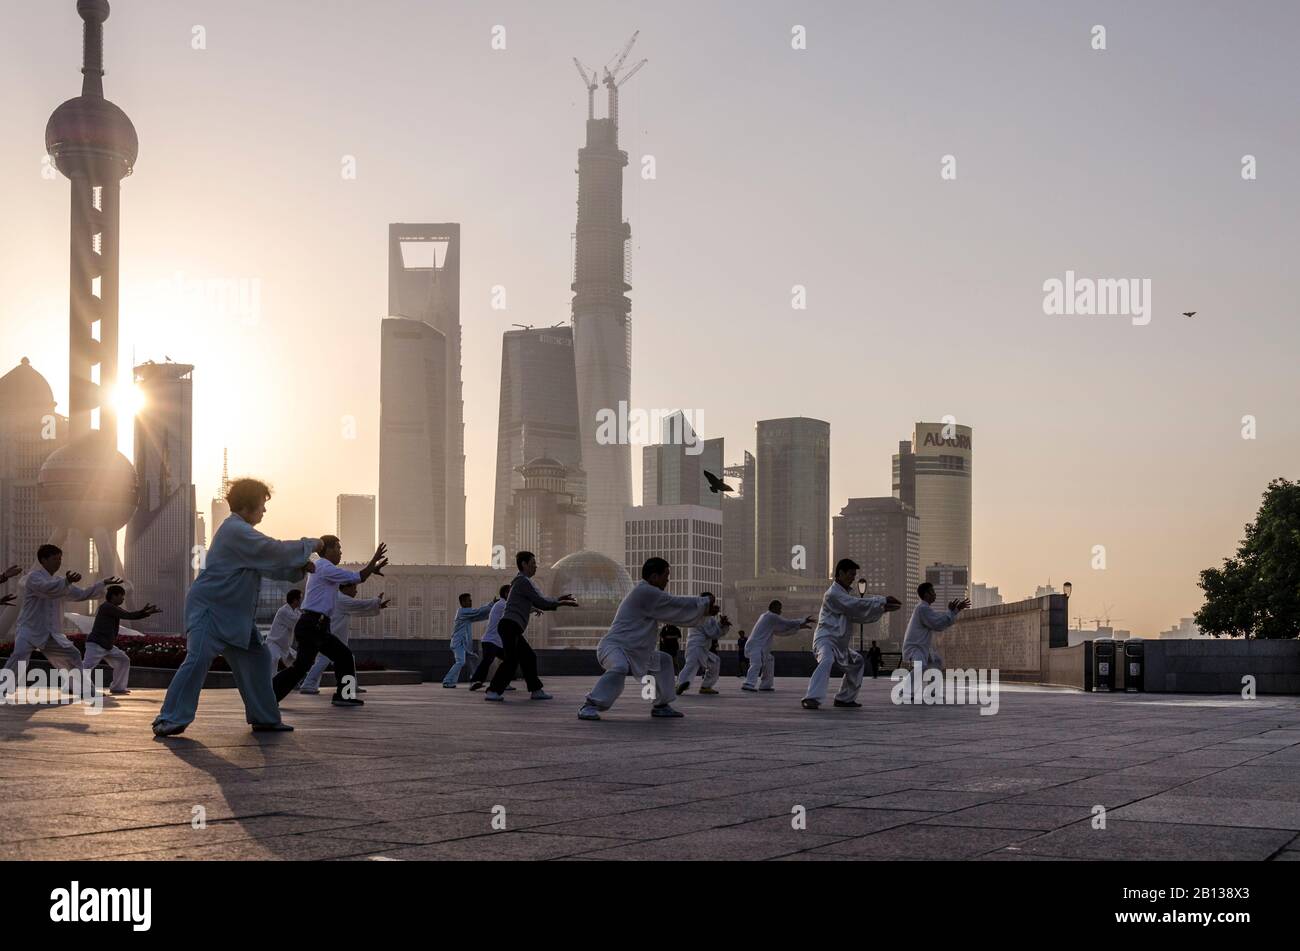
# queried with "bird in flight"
point(1189, 313)
point(716, 485)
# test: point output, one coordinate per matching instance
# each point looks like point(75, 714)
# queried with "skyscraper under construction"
point(602, 323)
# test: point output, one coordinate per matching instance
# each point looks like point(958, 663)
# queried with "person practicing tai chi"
point(491, 642)
point(524, 598)
point(346, 608)
point(701, 653)
point(831, 642)
point(758, 648)
point(279, 641)
point(40, 618)
point(628, 648)
point(221, 607)
point(462, 636)
point(927, 621)
point(101, 641)
point(13, 571)
point(315, 639)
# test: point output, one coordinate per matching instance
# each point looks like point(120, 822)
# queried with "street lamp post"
point(862, 625)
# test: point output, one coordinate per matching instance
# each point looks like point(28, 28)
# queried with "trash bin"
point(1134, 664)
point(1103, 656)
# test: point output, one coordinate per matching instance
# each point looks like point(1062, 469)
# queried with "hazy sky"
point(775, 167)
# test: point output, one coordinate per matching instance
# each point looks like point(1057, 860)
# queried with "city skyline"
point(1138, 425)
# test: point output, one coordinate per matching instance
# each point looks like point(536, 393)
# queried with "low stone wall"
point(1019, 640)
point(1218, 665)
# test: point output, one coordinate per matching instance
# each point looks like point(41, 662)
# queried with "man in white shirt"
point(346, 608)
point(628, 649)
point(927, 621)
point(833, 639)
point(699, 653)
point(758, 648)
point(313, 628)
point(40, 617)
point(280, 638)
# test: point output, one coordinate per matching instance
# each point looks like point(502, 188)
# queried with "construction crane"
point(591, 84)
point(612, 81)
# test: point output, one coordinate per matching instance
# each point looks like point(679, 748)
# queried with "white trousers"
point(762, 671)
point(697, 658)
point(116, 659)
point(827, 655)
point(617, 668)
point(928, 659)
point(278, 654)
point(58, 650)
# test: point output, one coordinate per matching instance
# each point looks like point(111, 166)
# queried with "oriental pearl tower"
point(88, 488)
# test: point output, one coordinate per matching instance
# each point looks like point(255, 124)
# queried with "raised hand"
point(384, 602)
point(568, 600)
point(13, 571)
point(72, 576)
point(963, 604)
point(892, 603)
point(309, 567)
point(152, 609)
point(809, 621)
point(8, 599)
point(112, 579)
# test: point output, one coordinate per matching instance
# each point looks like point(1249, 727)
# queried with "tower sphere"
point(87, 486)
point(88, 133)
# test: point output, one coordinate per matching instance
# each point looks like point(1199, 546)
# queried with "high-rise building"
point(689, 536)
point(738, 523)
point(984, 596)
point(950, 582)
point(29, 431)
point(602, 322)
point(538, 419)
point(935, 468)
point(355, 520)
point(422, 429)
point(412, 476)
point(547, 520)
point(160, 535)
point(220, 507)
point(883, 537)
point(672, 472)
point(792, 510)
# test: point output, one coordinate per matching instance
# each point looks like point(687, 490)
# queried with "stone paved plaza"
point(417, 773)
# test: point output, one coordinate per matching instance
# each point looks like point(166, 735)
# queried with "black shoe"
point(847, 703)
point(272, 728)
point(346, 702)
point(810, 704)
point(477, 685)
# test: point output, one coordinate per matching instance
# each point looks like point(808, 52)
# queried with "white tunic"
point(490, 636)
point(766, 627)
point(635, 631)
point(347, 608)
point(281, 634)
point(840, 606)
point(41, 613)
point(704, 635)
point(926, 621)
point(323, 586)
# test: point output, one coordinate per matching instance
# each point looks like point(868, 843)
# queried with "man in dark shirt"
point(100, 641)
point(874, 658)
point(524, 599)
point(740, 654)
point(670, 642)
